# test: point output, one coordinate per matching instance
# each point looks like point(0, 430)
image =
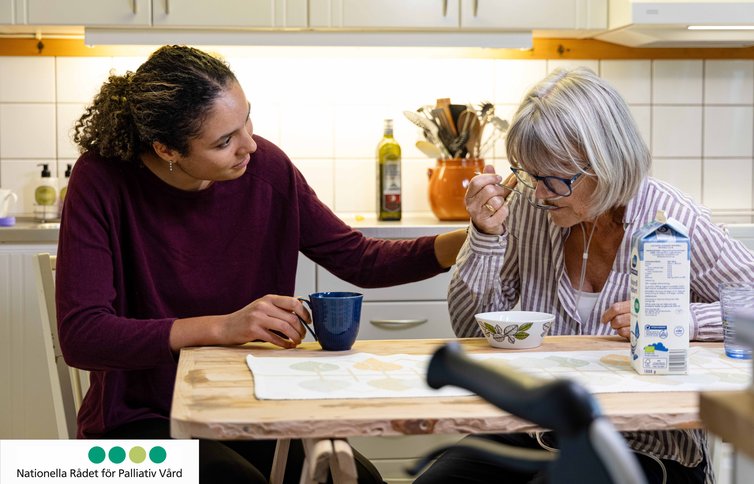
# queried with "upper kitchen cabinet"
point(384, 14)
point(458, 14)
point(534, 14)
point(230, 13)
point(123, 13)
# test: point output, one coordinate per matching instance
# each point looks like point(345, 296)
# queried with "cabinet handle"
point(444, 8)
point(135, 4)
point(167, 7)
point(476, 7)
point(398, 322)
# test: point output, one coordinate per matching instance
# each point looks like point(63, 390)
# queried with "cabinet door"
point(533, 14)
point(230, 13)
point(405, 320)
point(26, 409)
point(88, 12)
point(6, 12)
point(384, 14)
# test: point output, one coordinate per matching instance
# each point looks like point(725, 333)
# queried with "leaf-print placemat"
point(365, 375)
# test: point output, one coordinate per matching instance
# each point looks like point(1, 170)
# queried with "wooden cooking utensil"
point(444, 104)
point(429, 149)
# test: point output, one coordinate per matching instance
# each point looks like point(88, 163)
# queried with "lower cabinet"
point(26, 410)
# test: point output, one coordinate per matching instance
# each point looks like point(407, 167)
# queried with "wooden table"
point(214, 398)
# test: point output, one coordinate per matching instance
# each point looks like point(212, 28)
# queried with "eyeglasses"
point(563, 187)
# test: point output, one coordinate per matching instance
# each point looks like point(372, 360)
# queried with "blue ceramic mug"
point(336, 317)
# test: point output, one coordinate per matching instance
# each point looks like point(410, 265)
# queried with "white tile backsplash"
point(356, 182)
point(728, 131)
point(67, 115)
point(729, 82)
point(27, 131)
point(727, 183)
point(265, 120)
point(27, 79)
point(632, 78)
point(514, 78)
point(78, 79)
point(307, 131)
point(326, 113)
point(683, 173)
point(677, 81)
point(677, 131)
point(415, 180)
point(359, 128)
point(319, 175)
point(643, 117)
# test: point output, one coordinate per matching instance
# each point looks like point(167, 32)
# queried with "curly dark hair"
point(165, 100)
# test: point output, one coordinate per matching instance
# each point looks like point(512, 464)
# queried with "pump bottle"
point(45, 196)
point(63, 189)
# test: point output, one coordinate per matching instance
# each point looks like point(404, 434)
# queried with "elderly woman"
point(557, 239)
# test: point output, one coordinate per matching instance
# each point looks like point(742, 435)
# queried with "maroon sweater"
point(135, 254)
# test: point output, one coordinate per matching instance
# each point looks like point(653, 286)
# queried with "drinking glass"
point(735, 297)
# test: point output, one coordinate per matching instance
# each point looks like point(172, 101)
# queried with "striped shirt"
point(527, 265)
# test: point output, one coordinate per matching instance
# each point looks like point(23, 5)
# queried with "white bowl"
point(515, 330)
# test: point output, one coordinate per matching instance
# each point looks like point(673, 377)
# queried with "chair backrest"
point(65, 381)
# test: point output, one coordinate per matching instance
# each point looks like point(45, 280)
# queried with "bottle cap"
point(388, 126)
point(68, 170)
point(45, 170)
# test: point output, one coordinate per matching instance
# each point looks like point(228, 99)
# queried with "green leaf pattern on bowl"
point(512, 332)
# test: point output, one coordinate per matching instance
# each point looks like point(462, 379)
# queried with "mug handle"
point(311, 330)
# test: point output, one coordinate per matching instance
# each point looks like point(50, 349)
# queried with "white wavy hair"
point(574, 122)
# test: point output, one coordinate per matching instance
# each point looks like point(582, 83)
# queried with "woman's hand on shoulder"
point(271, 318)
point(486, 201)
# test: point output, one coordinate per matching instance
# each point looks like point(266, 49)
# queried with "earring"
point(170, 166)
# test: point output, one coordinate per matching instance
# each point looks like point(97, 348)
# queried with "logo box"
point(660, 280)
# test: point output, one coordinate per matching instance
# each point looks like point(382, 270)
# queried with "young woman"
point(182, 227)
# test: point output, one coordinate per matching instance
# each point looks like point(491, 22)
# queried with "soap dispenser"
point(63, 189)
point(45, 196)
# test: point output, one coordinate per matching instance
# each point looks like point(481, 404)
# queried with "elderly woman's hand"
point(485, 201)
point(618, 316)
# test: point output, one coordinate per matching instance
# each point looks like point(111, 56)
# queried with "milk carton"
point(660, 315)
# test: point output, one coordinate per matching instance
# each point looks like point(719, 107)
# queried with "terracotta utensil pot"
point(447, 186)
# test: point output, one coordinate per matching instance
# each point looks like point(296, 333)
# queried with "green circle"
point(137, 455)
point(96, 455)
point(157, 455)
point(117, 455)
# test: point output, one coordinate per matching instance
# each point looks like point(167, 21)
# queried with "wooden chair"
point(65, 381)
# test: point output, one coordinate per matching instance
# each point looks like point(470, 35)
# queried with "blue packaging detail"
point(7, 221)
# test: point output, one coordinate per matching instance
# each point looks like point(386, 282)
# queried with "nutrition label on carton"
point(665, 278)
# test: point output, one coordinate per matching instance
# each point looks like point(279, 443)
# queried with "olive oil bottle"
point(388, 175)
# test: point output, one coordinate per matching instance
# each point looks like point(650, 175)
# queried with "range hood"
point(646, 23)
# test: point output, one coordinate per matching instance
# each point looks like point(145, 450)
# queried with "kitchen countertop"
point(27, 230)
